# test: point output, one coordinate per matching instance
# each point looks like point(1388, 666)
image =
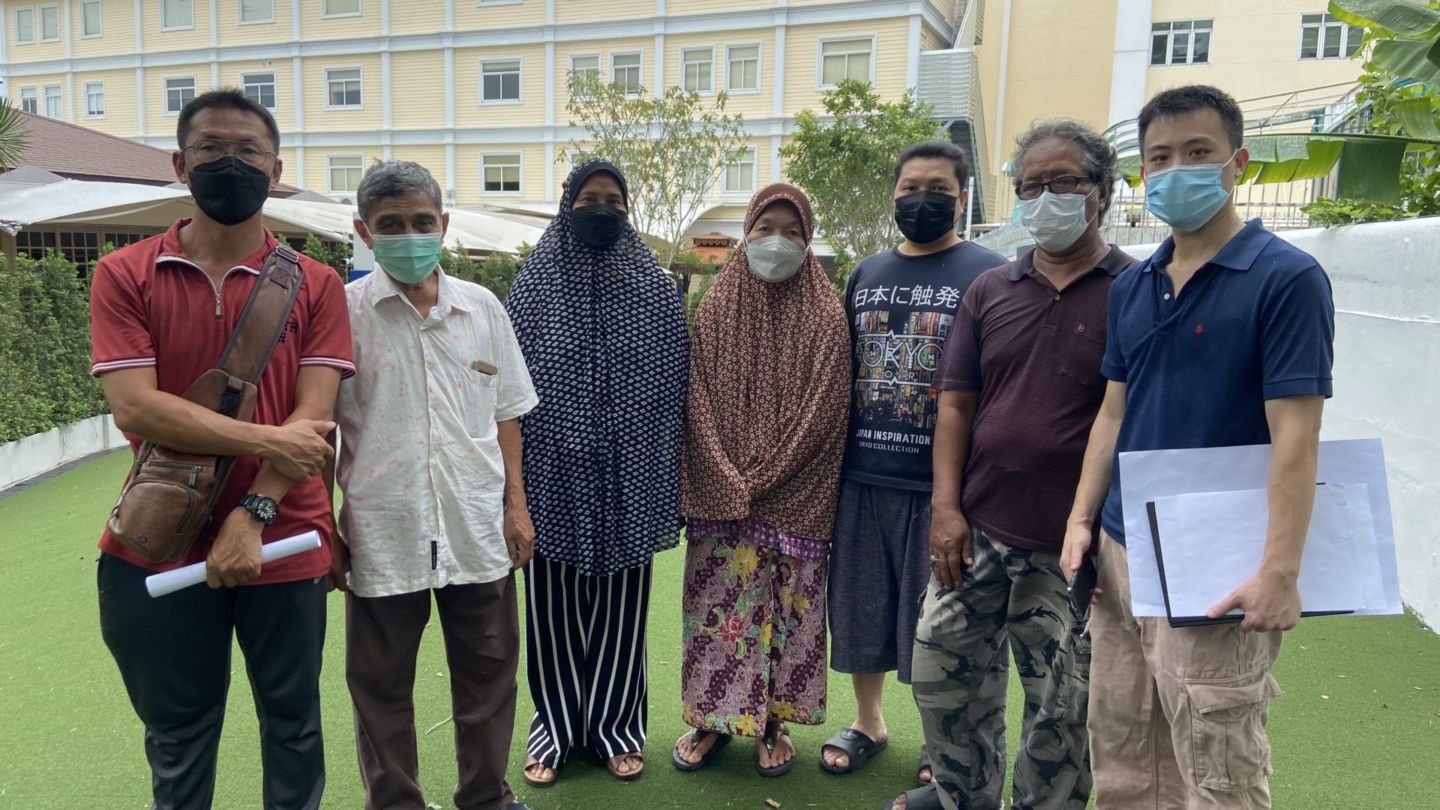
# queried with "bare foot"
point(925, 774)
point(784, 751)
point(899, 803)
point(538, 773)
point(627, 765)
point(836, 758)
point(692, 752)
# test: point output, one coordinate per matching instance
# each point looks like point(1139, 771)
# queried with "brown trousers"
point(481, 626)
point(1177, 715)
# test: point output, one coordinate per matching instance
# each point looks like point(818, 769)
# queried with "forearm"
point(512, 454)
point(1096, 471)
point(954, 422)
point(271, 482)
point(1290, 489)
point(179, 424)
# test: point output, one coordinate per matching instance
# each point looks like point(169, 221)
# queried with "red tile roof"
point(80, 153)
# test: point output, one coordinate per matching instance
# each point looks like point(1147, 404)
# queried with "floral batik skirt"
point(754, 632)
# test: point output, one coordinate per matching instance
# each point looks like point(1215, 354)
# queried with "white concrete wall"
point(34, 455)
point(1387, 375)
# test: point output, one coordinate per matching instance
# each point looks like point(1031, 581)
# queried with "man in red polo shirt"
point(161, 312)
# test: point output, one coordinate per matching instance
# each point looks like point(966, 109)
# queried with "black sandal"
point(855, 745)
point(773, 733)
point(926, 798)
point(697, 737)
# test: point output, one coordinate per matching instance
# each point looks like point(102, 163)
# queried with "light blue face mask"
point(1187, 197)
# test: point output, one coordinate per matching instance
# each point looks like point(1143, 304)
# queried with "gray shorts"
point(879, 567)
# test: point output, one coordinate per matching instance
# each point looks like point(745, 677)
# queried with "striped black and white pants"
point(585, 644)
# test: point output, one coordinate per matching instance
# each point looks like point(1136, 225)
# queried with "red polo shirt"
point(150, 305)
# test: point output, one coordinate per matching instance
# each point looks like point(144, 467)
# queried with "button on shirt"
point(1255, 323)
point(420, 462)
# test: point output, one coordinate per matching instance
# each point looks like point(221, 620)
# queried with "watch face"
point(264, 509)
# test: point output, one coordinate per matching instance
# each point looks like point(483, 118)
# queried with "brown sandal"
point(539, 767)
point(626, 777)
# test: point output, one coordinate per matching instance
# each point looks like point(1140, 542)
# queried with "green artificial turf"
point(1359, 727)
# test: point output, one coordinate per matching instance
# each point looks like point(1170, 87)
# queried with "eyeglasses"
point(211, 150)
point(1060, 185)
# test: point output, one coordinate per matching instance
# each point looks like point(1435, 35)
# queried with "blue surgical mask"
point(1187, 197)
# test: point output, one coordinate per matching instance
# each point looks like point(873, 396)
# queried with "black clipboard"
point(1201, 621)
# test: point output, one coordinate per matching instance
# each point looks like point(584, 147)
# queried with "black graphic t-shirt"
point(901, 309)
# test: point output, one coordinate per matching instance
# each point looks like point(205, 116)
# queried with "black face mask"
point(598, 226)
point(229, 190)
point(925, 216)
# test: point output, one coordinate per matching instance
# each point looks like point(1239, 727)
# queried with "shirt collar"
point(448, 296)
point(1239, 253)
point(172, 251)
point(1114, 262)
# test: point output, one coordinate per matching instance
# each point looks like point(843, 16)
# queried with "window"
point(29, 101)
point(740, 175)
point(1325, 37)
point(1185, 42)
point(52, 101)
point(259, 88)
point(742, 74)
point(699, 69)
point(345, 173)
point(500, 82)
point(24, 25)
point(257, 11)
point(500, 174)
point(35, 243)
point(90, 18)
point(625, 70)
point(845, 59)
point(178, 93)
point(340, 8)
point(585, 63)
point(177, 14)
point(49, 23)
point(94, 99)
point(343, 88)
point(81, 248)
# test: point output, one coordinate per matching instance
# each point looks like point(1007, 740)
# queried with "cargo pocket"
point(1072, 676)
point(1229, 750)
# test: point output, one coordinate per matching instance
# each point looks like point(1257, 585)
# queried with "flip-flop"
point(540, 783)
point(922, 765)
point(925, 798)
point(855, 745)
point(770, 740)
point(627, 777)
point(681, 764)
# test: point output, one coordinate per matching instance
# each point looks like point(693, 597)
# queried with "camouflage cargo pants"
point(1016, 598)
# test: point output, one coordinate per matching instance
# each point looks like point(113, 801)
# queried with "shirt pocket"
point(477, 403)
point(1083, 355)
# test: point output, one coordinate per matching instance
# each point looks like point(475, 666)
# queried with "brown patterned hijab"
point(769, 392)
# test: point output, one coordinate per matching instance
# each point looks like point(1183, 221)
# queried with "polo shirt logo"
point(292, 327)
point(1199, 329)
point(1079, 328)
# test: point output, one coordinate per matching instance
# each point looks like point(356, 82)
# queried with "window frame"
point(34, 23)
point(274, 88)
point(685, 64)
point(58, 96)
point(34, 99)
point(240, 14)
point(99, 19)
point(639, 69)
point(759, 65)
point(360, 71)
point(190, 27)
point(488, 3)
point(329, 15)
point(40, 21)
point(519, 82)
point(194, 90)
point(330, 172)
point(90, 114)
point(519, 174)
point(1169, 35)
point(1327, 20)
point(754, 155)
point(820, 44)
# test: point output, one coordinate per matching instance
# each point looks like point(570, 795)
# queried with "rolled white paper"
point(181, 578)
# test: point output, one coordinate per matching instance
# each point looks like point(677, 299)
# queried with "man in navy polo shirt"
point(1223, 337)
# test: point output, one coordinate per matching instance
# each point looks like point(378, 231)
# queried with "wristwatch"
point(261, 507)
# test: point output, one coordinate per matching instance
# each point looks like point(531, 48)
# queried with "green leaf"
point(1286, 158)
point(1417, 116)
point(1370, 169)
point(1399, 18)
point(1406, 59)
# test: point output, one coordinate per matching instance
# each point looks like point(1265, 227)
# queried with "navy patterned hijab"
point(604, 336)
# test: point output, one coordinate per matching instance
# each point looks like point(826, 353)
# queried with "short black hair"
point(1180, 100)
point(226, 98)
point(936, 150)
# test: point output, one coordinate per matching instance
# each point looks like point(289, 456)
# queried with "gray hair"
point(392, 178)
point(1101, 162)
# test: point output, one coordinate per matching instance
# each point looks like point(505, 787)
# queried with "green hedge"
point(45, 377)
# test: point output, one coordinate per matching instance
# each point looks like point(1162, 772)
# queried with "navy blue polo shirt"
point(1255, 323)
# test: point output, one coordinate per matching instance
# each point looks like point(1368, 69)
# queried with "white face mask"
point(774, 258)
point(1056, 221)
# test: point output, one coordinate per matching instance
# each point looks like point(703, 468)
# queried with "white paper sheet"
point(1212, 542)
point(1153, 474)
point(171, 581)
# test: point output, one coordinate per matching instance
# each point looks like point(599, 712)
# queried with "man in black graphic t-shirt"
point(901, 304)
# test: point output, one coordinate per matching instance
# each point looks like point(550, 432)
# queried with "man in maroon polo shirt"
point(1021, 385)
point(161, 312)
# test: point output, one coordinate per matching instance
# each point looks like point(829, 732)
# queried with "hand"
point(950, 544)
point(235, 556)
point(339, 562)
point(1270, 600)
point(1078, 537)
point(298, 450)
point(519, 535)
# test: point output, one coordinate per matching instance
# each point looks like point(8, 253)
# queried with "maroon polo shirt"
point(1033, 353)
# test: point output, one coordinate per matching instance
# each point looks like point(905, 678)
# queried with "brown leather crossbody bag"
point(170, 497)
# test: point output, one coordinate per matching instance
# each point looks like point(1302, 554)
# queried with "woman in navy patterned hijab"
point(604, 336)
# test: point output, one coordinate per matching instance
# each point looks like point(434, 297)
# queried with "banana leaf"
point(1370, 170)
point(1397, 18)
point(1418, 116)
point(1408, 59)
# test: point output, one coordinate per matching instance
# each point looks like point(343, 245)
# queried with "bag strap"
point(261, 325)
